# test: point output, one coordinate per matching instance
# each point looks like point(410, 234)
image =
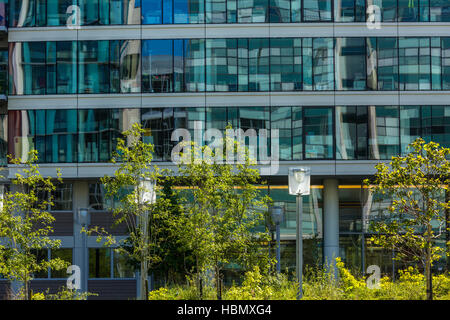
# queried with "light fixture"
point(299, 180)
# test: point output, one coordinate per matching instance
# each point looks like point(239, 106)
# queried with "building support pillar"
point(330, 222)
point(80, 250)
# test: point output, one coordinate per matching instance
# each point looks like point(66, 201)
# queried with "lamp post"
point(299, 183)
point(277, 218)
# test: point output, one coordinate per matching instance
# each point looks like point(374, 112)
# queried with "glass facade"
point(229, 65)
point(33, 13)
point(312, 133)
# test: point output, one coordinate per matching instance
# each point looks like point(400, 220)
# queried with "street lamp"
point(277, 218)
point(299, 183)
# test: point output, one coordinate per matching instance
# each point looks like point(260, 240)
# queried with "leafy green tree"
point(416, 184)
point(133, 193)
point(25, 224)
point(224, 211)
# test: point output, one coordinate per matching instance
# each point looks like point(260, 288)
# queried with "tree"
point(416, 184)
point(25, 224)
point(132, 190)
point(223, 209)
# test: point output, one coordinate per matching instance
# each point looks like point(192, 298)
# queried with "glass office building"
point(342, 96)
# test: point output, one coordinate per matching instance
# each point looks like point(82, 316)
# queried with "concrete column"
point(80, 250)
point(330, 220)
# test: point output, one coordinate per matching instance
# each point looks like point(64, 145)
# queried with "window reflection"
point(350, 64)
point(318, 129)
point(317, 10)
point(383, 132)
point(221, 65)
point(157, 66)
point(351, 133)
point(93, 66)
point(27, 61)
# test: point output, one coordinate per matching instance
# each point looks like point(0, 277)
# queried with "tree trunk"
point(428, 273)
point(218, 284)
point(447, 230)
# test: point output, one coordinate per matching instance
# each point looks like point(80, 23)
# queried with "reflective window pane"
point(152, 11)
point(350, 64)
point(125, 11)
point(285, 64)
point(66, 67)
point(410, 125)
point(351, 133)
point(152, 119)
point(383, 132)
point(317, 10)
point(221, 65)
point(93, 66)
point(99, 263)
point(157, 66)
point(280, 10)
point(194, 65)
point(61, 136)
point(323, 69)
point(258, 64)
point(123, 267)
point(252, 11)
point(281, 120)
point(58, 13)
point(350, 10)
point(318, 129)
point(436, 124)
point(297, 133)
point(189, 11)
point(28, 68)
point(21, 130)
point(387, 64)
point(415, 63)
point(125, 58)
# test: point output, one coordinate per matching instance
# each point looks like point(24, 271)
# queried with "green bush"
point(318, 284)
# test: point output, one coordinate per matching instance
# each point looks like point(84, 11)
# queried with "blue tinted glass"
point(21, 13)
point(221, 65)
point(317, 10)
point(350, 65)
point(387, 64)
point(29, 73)
point(61, 136)
point(253, 11)
point(383, 132)
point(189, 11)
point(194, 63)
point(167, 11)
point(59, 12)
point(408, 10)
point(323, 64)
point(152, 11)
point(318, 129)
point(157, 66)
point(66, 73)
point(440, 10)
point(93, 66)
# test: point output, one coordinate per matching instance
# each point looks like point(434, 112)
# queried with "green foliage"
point(134, 193)
point(224, 212)
point(418, 184)
point(318, 284)
point(257, 286)
point(63, 294)
point(25, 224)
